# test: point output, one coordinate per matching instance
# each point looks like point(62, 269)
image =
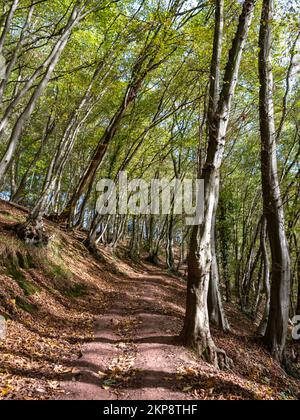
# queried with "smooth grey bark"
point(135, 239)
point(13, 60)
point(7, 23)
point(224, 246)
point(170, 243)
point(259, 286)
point(267, 288)
point(277, 328)
point(13, 179)
point(215, 304)
point(170, 259)
point(216, 312)
point(249, 267)
point(153, 254)
point(196, 332)
point(20, 192)
point(119, 231)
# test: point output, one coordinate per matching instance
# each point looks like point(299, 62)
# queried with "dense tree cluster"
point(164, 88)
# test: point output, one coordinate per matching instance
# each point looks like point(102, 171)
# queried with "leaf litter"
point(45, 330)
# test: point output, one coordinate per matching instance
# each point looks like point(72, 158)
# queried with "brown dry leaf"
point(187, 389)
point(208, 384)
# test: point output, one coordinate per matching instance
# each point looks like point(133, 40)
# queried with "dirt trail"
point(135, 346)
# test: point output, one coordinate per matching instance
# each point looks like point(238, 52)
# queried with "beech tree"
point(196, 331)
point(276, 333)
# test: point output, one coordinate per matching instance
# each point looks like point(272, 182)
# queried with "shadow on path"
point(143, 324)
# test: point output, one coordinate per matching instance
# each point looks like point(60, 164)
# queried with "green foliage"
point(28, 287)
point(76, 291)
point(57, 272)
point(26, 306)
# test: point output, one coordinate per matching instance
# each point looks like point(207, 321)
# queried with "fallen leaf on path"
point(102, 374)
point(6, 391)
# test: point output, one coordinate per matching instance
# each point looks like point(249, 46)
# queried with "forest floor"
point(86, 328)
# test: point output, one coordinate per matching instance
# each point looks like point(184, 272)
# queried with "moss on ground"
point(26, 306)
point(14, 262)
point(76, 291)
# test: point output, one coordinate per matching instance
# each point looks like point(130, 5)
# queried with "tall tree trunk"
point(135, 243)
point(276, 333)
point(216, 311)
point(170, 242)
point(215, 304)
point(196, 331)
point(20, 192)
point(245, 286)
point(90, 173)
point(153, 256)
point(224, 250)
point(10, 65)
point(264, 322)
point(13, 179)
point(7, 23)
point(259, 287)
point(297, 275)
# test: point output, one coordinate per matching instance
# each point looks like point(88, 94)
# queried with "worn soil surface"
point(136, 354)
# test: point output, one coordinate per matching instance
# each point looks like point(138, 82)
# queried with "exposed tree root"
point(33, 233)
point(224, 362)
point(206, 349)
point(153, 259)
point(94, 251)
point(212, 354)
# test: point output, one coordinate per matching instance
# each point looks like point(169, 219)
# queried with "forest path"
point(135, 354)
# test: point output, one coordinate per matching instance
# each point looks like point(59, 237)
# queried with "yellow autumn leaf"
point(5, 391)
